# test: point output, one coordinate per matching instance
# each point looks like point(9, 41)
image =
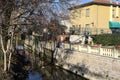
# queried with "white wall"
point(66, 23)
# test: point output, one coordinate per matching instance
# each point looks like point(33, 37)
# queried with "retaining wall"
point(94, 67)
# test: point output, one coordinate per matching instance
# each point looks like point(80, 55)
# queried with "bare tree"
point(15, 14)
point(11, 12)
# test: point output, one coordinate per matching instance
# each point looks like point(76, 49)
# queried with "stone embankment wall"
point(94, 67)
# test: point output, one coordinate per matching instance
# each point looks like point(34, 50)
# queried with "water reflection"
point(34, 76)
point(53, 73)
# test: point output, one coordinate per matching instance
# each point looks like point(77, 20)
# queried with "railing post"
point(88, 49)
point(115, 52)
point(79, 47)
point(100, 51)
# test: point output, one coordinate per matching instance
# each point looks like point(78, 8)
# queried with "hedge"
point(107, 39)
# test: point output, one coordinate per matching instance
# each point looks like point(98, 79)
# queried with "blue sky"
point(83, 1)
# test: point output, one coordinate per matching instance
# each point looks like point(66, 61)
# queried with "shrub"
point(107, 39)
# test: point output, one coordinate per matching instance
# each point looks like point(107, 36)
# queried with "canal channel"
point(53, 73)
point(36, 72)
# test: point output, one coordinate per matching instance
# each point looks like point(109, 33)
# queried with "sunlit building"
point(96, 17)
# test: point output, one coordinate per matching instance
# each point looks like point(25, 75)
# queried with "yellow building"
point(97, 16)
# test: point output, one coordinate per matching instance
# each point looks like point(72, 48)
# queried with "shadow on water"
point(34, 76)
point(19, 66)
point(53, 73)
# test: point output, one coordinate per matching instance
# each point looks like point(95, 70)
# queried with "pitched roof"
point(102, 1)
point(97, 2)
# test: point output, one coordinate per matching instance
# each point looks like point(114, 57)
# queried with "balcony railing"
point(91, 31)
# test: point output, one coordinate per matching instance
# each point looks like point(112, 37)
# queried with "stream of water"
point(53, 73)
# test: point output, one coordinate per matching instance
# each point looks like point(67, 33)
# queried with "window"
point(113, 13)
point(102, 31)
point(79, 26)
point(72, 29)
point(73, 26)
point(79, 29)
point(73, 15)
point(87, 27)
point(87, 12)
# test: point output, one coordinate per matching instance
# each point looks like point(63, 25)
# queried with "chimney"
point(117, 9)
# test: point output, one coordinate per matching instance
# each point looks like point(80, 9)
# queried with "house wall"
point(98, 20)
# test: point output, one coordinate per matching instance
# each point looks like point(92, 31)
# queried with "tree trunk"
point(11, 50)
point(9, 62)
point(4, 52)
point(5, 62)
